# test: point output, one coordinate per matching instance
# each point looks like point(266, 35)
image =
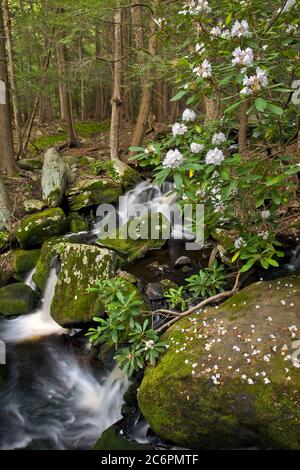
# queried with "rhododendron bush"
point(234, 147)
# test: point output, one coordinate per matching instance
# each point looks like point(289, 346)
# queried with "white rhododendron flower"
point(173, 159)
point(255, 83)
point(178, 129)
point(239, 243)
point(243, 56)
point(216, 31)
point(188, 115)
point(218, 138)
point(241, 29)
point(214, 157)
point(196, 148)
point(291, 28)
point(204, 70)
point(200, 47)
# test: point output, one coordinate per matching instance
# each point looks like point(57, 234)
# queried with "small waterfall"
point(34, 325)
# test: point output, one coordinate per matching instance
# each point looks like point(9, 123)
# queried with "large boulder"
point(25, 260)
point(54, 178)
point(33, 205)
point(81, 266)
point(135, 238)
point(17, 299)
point(229, 378)
point(36, 228)
point(93, 191)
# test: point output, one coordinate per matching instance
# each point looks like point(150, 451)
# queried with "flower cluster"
point(239, 243)
point(255, 83)
point(196, 148)
point(173, 159)
point(204, 70)
point(218, 138)
point(243, 56)
point(214, 157)
point(195, 7)
point(188, 115)
point(178, 129)
point(241, 29)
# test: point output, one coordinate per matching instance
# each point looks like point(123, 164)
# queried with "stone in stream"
point(36, 228)
point(112, 439)
point(183, 261)
point(54, 178)
point(25, 260)
point(228, 379)
point(17, 299)
point(81, 266)
point(138, 236)
point(93, 191)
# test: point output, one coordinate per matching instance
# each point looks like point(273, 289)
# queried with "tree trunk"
point(141, 123)
point(7, 158)
point(99, 91)
point(84, 106)
point(116, 100)
point(65, 94)
point(243, 127)
point(212, 109)
point(11, 70)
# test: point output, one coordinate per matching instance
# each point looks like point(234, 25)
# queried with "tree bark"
point(5, 211)
point(84, 106)
point(147, 92)
point(66, 102)
point(11, 70)
point(99, 91)
point(212, 109)
point(116, 100)
point(7, 158)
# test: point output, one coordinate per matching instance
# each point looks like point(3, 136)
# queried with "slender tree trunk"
point(65, 94)
point(99, 93)
point(84, 106)
point(7, 158)
point(11, 70)
point(5, 210)
point(116, 100)
point(141, 123)
point(212, 109)
point(243, 127)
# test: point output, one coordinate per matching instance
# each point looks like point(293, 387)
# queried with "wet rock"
point(33, 205)
point(77, 222)
point(155, 291)
point(235, 384)
point(17, 299)
point(81, 267)
point(92, 192)
point(134, 239)
point(25, 260)
point(112, 439)
point(183, 261)
point(36, 228)
point(54, 178)
point(30, 164)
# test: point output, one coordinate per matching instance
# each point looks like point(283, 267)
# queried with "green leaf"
point(235, 257)
point(273, 108)
point(136, 149)
point(178, 95)
point(248, 265)
point(261, 104)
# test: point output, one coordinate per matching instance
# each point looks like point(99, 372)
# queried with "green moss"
point(190, 410)
point(77, 222)
point(81, 266)
point(25, 260)
point(36, 228)
point(17, 299)
point(92, 192)
point(128, 241)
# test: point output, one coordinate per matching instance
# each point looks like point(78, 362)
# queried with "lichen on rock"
point(228, 379)
point(91, 192)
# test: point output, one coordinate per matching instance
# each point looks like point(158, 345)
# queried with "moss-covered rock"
point(17, 299)
point(228, 379)
point(36, 228)
point(77, 222)
point(54, 178)
point(30, 164)
point(81, 266)
point(91, 192)
point(134, 239)
point(25, 260)
point(112, 439)
point(33, 205)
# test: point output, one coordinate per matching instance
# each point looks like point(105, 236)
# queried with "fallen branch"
point(177, 316)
